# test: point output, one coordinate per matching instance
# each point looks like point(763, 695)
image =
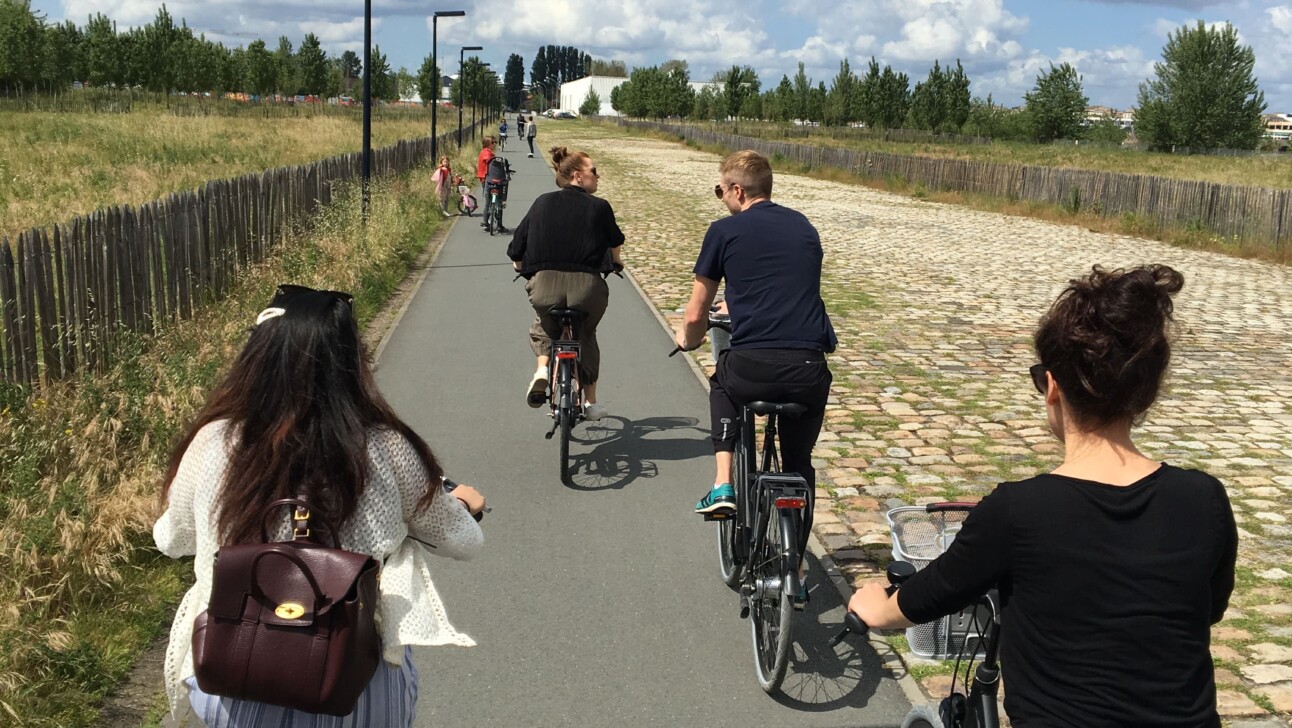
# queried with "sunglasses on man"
point(1037, 372)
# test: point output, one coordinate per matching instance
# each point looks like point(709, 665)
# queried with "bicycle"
point(565, 395)
point(758, 544)
point(979, 708)
point(494, 206)
point(502, 141)
point(467, 202)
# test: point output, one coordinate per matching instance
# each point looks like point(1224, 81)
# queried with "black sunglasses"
point(1037, 371)
point(718, 192)
point(290, 289)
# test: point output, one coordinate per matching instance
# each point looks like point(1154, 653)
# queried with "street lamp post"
point(435, 100)
point(367, 104)
point(462, 88)
point(475, 103)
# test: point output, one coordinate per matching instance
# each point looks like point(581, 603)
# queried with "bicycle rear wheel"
point(565, 411)
point(771, 606)
point(729, 530)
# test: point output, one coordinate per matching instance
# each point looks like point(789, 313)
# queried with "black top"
point(567, 230)
point(771, 258)
point(1109, 594)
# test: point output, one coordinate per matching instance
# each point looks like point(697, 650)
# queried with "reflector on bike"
point(567, 354)
point(790, 502)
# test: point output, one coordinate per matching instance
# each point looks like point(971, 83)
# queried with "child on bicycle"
point(502, 134)
point(1112, 568)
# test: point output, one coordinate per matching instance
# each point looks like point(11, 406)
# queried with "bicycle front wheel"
point(771, 606)
point(923, 716)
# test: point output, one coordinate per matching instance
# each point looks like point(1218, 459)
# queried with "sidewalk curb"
point(431, 254)
point(892, 660)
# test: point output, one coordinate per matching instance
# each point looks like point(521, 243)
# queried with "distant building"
point(1278, 126)
point(1123, 119)
point(574, 93)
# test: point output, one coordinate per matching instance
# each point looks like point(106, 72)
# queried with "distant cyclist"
point(502, 134)
point(770, 257)
point(1112, 568)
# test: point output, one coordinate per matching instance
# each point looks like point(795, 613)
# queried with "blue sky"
point(1002, 43)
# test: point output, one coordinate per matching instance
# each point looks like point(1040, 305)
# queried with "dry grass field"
point(55, 166)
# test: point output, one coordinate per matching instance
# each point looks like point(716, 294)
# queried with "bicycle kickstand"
point(556, 422)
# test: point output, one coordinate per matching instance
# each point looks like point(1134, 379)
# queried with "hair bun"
point(558, 154)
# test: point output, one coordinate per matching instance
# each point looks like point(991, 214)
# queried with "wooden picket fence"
point(70, 292)
point(1255, 215)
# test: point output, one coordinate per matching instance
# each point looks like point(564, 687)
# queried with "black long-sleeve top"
point(567, 230)
point(1108, 595)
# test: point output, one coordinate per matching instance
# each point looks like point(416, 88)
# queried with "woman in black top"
point(564, 243)
point(1112, 568)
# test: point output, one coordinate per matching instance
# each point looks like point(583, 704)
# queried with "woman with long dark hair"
point(299, 415)
point(1113, 567)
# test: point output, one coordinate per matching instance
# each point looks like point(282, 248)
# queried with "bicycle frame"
point(783, 494)
point(979, 710)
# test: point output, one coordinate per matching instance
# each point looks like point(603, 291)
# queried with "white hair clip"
point(271, 312)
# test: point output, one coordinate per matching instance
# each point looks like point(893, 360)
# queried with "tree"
point(1057, 104)
point(928, 101)
point(22, 43)
point(428, 81)
point(405, 84)
point(885, 97)
point(513, 81)
point(311, 61)
point(258, 63)
point(383, 80)
point(1105, 130)
point(957, 98)
point(739, 82)
point(614, 69)
point(802, 89)
point(840, 104)
point(285, 67)
point(1204, 95)
point(351, 67)
point(102, 57)
point(591, 105)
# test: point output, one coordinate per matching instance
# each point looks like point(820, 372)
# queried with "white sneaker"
point(537, 395)
point(595, 411)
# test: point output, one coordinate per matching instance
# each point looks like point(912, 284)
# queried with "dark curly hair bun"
point(1106, 341)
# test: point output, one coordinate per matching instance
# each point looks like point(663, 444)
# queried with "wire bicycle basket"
point(919, 536)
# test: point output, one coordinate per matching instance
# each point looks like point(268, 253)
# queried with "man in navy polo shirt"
point(770, 257)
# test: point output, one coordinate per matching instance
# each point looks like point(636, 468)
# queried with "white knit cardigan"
point(409, 611)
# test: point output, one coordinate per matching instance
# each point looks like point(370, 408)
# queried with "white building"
point(1123, 119)
point(1278, 126)
point(574, 93)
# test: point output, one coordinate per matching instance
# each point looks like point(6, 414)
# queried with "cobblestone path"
point(934, 305)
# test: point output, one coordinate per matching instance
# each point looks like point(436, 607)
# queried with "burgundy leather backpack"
point(290, 623)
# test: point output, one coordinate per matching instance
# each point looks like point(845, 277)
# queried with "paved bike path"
point(597, 603)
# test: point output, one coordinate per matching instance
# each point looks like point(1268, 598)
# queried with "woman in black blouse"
point(1112, 568)
point(562, 246)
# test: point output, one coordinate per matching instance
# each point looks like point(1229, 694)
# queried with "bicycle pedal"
point(718, 516)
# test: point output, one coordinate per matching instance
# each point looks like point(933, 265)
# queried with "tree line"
point(1203, 96)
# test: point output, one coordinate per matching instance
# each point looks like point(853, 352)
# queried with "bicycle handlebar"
point(449, 485)
point(898, 572)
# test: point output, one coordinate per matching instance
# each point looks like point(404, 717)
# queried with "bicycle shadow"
point(624, 451)
point(821, 678)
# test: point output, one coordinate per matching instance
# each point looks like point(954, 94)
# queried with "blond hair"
point(566, 163)
point(488, 142)
point(750, 170)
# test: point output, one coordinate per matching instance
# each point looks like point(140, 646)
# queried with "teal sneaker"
point(720, 498)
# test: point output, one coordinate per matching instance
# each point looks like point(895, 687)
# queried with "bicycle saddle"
point(777, 408)
point(571, 313)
